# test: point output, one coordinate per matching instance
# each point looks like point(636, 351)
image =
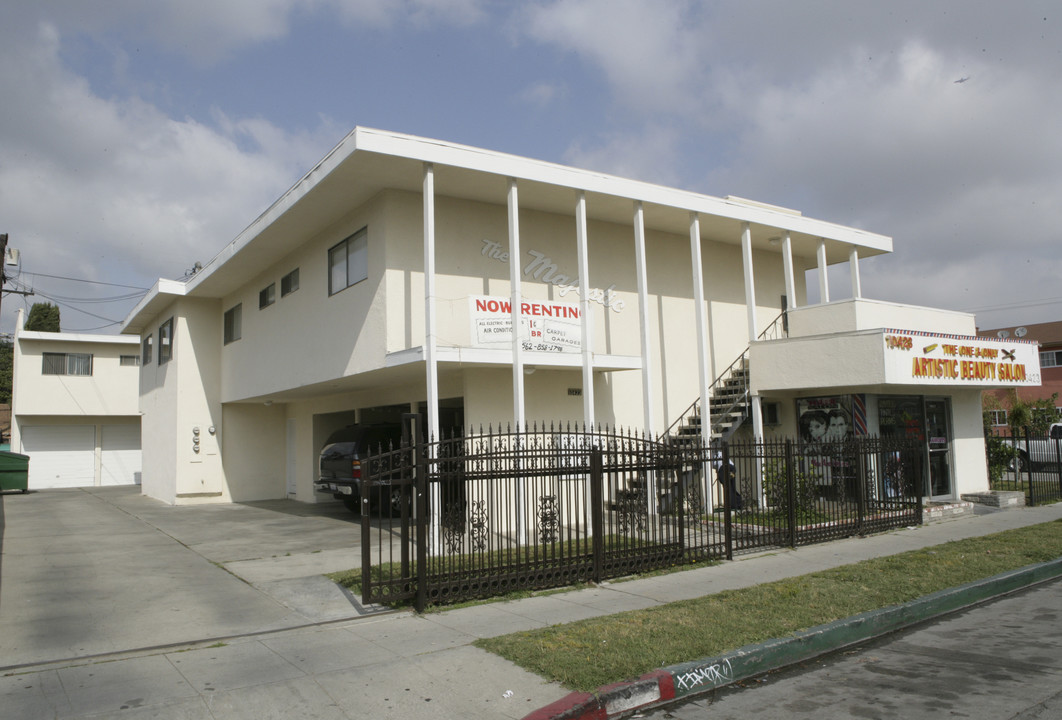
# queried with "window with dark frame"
point(267, 296)
point(1051, 358)
point(233, 323)
point(66, 364)
point(348, 262)
point(289, 283)
point(146, 352)
point(166, 341)
point(129, 360)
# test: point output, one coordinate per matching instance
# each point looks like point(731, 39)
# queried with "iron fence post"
point(861, 483)
point(423, 516)
point(597, 515)
point(366, 537)
point(728, 528)
point(1058, 465)
point(1028, 469)
point(790, 491)
point(920, 458)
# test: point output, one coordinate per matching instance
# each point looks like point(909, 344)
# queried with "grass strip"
point(589, 653)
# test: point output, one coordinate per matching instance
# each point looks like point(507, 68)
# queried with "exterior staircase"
point(728, 406)
point(729, 398)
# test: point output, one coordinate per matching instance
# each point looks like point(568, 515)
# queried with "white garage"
point(63, 456)
point(60, 455)
point(120, 455)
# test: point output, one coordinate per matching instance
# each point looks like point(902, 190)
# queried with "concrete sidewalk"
point(200, 618)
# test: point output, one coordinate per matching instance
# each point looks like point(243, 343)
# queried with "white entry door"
point(290, 450)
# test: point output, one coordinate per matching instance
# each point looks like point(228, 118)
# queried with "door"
point(120, 455)
point(61, 456)
point(290, 456)
point(938, 441)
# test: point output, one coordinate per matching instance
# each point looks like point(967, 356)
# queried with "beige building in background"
point(75, 408)
point(390, 277)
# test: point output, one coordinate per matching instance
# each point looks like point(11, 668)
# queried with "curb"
point(700, 676)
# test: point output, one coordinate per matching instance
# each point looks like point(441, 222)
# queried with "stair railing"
point(779, 327)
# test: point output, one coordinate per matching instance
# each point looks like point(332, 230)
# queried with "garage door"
point(61, 455)
point(120, 455)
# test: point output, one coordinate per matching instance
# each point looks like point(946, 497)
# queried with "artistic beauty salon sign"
point(544, 326)
point(932, 359)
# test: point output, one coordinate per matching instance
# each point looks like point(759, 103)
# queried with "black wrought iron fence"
point(1031, 465)
point(483, 514)
point(797, 494)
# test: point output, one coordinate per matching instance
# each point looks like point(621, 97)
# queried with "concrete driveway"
point(101, 570)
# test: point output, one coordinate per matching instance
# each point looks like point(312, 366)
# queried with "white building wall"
point(308, 336)
point(970, 472)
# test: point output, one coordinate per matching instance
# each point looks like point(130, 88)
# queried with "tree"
point(6, 365)
point(43, 317)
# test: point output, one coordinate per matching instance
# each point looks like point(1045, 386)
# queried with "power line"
point(1015, 305)
point(93, 282)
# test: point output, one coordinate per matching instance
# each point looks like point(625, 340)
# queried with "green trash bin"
point(14, 471)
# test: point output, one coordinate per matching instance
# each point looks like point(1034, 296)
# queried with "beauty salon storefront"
point(896, 383)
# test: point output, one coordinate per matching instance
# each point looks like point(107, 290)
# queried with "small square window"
point(129, 360)
point(233, 324)
point(166, 341)
point(289, 283)
point(267, 296)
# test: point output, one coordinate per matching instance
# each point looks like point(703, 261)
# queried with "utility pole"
point(3, 266)
point(3, 263)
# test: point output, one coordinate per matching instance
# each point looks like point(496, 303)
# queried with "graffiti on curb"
point(715, 674)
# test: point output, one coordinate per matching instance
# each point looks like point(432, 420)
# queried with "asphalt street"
point(999, 661)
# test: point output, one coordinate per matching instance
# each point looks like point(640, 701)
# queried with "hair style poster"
point(825, 419)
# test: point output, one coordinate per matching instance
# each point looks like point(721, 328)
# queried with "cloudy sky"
point(139, 137)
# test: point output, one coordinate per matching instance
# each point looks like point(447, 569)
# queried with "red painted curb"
point(610, 700)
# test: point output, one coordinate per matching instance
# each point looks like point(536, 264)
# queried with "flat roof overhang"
point(369, 161)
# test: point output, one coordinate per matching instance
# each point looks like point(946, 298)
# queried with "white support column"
point(584, 309)
point(824, 283)
point(853, 266)
point(787, 262)
point(703, 377)
point(643, 319)
point(703, 369)
point(430, 329)
point(516, 298)
point(750, 285)
point(431, 362)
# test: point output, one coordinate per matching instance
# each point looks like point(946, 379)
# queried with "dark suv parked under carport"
point(341, 461)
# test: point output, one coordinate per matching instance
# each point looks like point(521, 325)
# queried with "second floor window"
point(233, 324)
point(348, 262)
point(166, 341)
point(267, 296)
point(67, 364)
point(1051, 358)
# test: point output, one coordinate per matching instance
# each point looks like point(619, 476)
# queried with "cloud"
point(105, 189)
point(206, 31)
point(849, 112)
point(647, 51)
point(651, 154)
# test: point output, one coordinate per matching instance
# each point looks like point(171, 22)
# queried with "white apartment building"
point(389, 279)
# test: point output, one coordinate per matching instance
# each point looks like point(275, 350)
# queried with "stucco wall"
point(110, 390)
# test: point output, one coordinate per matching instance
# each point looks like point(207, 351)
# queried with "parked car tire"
point(1019, 463)
point(352, 503)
